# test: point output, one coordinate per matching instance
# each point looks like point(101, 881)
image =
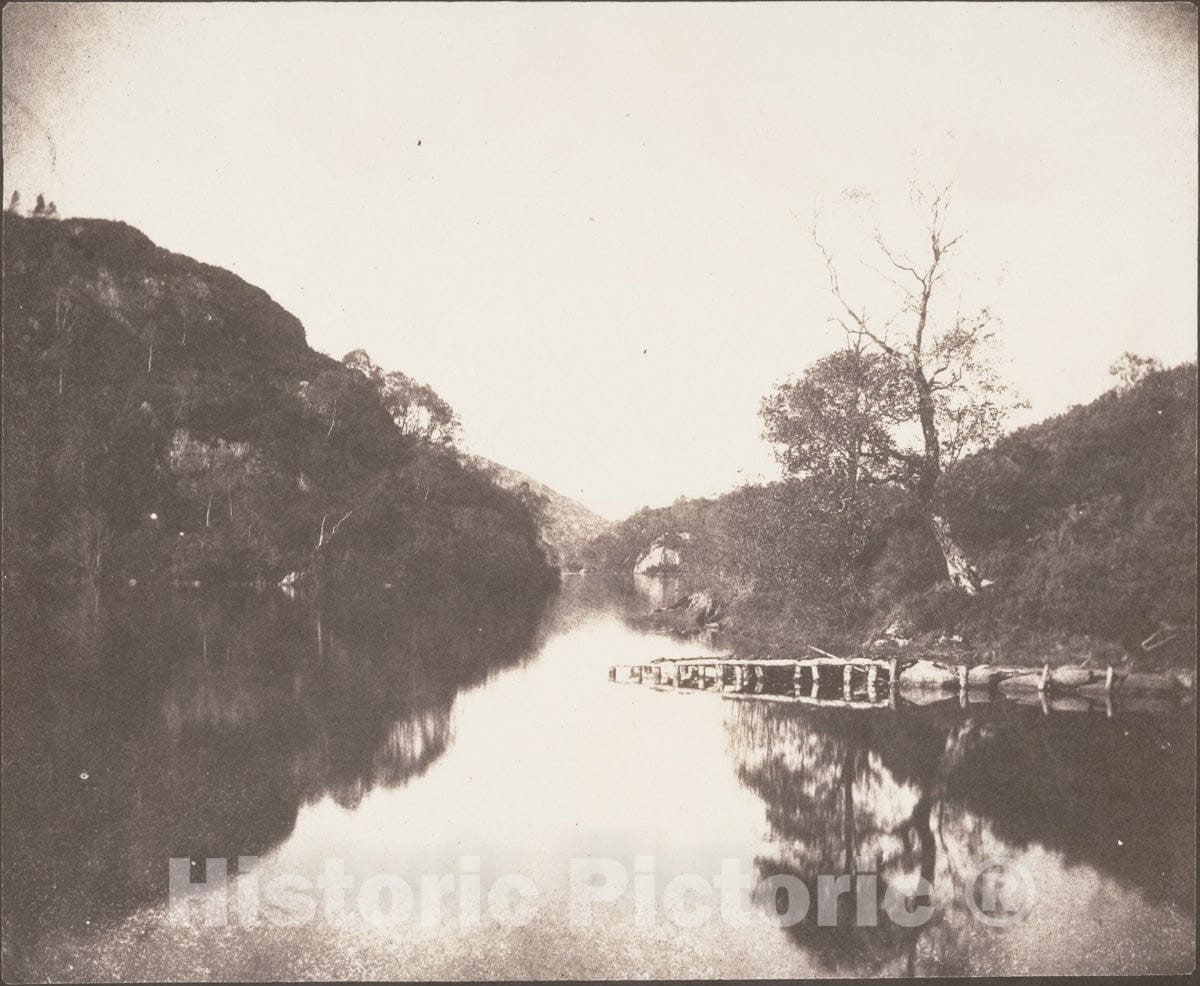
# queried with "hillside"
point(166, 421)
point(566, 525)
point(1085, 524)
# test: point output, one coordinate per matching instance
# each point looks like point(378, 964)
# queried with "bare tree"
point(929, 392)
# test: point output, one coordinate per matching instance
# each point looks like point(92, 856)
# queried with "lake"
point(451, 788)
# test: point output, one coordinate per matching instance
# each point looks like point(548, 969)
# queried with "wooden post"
point(816, 679)
point(872, 675)
point(760, 678)
point(893, 672)
point(739, 678)
point(796, 684)
point(1108, 680)
point(1044, 679)
point(639, 673)
point(962, 677)
point(658, 674)
point(847, 686)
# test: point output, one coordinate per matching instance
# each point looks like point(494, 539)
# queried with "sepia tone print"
point(598, 491)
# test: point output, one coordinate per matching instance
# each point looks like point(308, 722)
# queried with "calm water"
point(412, 739)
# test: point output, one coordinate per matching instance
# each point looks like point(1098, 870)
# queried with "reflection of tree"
point(833, 805)
point(202, 724)
point(927, 793)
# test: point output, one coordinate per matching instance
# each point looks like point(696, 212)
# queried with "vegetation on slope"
point(164, 420)
point(1085, 523)
point(567, 526)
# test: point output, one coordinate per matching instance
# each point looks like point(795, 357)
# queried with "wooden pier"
point(872, 683)
point(855, 683)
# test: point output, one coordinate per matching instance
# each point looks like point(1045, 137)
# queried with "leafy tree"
point(360, 361)
point(416, 408)
point(837, 419)
point(1132, 369)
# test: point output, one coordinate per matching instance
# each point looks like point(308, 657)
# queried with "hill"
point(164, 420)
point(1085, 524)
point(566, 525)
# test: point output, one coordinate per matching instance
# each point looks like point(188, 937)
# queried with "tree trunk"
point(963, 574)
point(958, 566)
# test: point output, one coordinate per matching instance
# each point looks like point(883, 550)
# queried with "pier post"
point(658, 674)
point(1108, 680)
point(962, 678)
point(796, 683)
point(816, 680)
point(1044, 679)
point(847, 685)
point(872, 675)
point(893, 673)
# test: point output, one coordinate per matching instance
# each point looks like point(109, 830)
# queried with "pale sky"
point(599, 249)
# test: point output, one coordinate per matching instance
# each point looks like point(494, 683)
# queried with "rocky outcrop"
point(663, 555)
point(928, 676)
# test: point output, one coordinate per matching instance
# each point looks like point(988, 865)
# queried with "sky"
point(588, 226)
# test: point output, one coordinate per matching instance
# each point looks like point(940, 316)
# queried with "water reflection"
point(659, 590)
point(141, 726)
point(403, 735)
point(1099, 813)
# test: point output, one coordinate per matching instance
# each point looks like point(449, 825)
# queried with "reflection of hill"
point(145, 727)
point(933, 794)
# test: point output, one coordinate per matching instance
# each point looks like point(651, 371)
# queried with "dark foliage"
point(165, 420)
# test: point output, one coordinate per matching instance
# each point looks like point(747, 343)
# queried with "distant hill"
point(165, 420)
point(566, 525)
